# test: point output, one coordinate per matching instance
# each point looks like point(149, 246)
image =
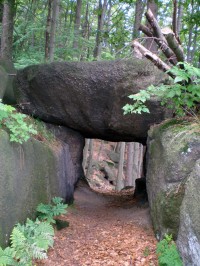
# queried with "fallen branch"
point(173, 44)
point(153, 57)
point(161, 41)
point(145, 30)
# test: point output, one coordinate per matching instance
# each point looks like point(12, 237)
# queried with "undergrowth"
point(31, 240)
point(167, 252)
point(16, 123)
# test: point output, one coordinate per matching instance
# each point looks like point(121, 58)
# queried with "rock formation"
point(173, 183)
point(34, 172)
point(89, 96)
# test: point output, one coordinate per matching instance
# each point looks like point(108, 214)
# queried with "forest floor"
point(104, 230)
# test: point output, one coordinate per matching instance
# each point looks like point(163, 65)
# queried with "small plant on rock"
point(167, 252)
point(19, 130)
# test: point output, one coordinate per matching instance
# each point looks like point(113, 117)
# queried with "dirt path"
point(104, 230)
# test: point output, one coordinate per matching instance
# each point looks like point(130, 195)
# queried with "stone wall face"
point(173, 181)
point(35, 172)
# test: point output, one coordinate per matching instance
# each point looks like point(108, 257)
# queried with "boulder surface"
point(89, 96)
point(34, 173)
point(173, 182)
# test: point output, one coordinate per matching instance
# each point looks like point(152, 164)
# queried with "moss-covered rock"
point(35, 172)
point(173, 149)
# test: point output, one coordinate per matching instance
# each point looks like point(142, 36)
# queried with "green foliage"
point(6, 257)
point(31, 241)
point(47, 212)
point(20, 131)
point(182, 96)
point(167, 252)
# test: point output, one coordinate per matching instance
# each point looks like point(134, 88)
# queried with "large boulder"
point(34, 172)
point(173, 182)
point(89, 96)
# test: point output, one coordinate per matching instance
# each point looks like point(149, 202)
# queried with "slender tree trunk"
point(48, 29)
point(139, 10)
point(55, 12)
point(90, 159)
point(85, 154)
point(77, 24)
point(194, 42)
point(7, 29)
point(180, 15)
point(129, 166)
point(190, 35)
point(174, 19)
point(140, 160)
point(120, 181)
point(101, 16)
point(135, 162)
point(108, 23)
point(85, 32)
point(100, 150)
point(149, 43)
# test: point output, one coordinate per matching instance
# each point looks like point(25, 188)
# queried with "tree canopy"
point(92, 30)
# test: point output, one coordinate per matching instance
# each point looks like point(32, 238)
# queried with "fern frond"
point(6, 257)
point(38, 253)
point(18, 240)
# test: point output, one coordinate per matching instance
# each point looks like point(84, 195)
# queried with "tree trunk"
point(135, 162)
point(55, 12)
point(7, 29)
point(139, 10)
point(100, 150)
point(174, 18)
point(85, 154)
point(129, 166)
point(149, 43)
point(48, 29)
point(101, 15)
point(180, 15)
point(120, 180)
point(194, 43)
point(90, 159)
point(77, 24)
point(140, 160)
point(85, 33)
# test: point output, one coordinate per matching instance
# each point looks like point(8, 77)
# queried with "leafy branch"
point(182, 95)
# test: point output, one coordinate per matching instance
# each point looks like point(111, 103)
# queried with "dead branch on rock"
point(161, 41)
point(173, 43)
point(153, 57)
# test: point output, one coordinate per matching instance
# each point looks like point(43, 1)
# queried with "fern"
point(47, 212)
point(31, 241)
point(6, 257)
point(167, 252)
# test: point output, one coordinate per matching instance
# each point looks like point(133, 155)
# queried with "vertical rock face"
point(35, 172)
point(173, 182)
point(189, 232)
